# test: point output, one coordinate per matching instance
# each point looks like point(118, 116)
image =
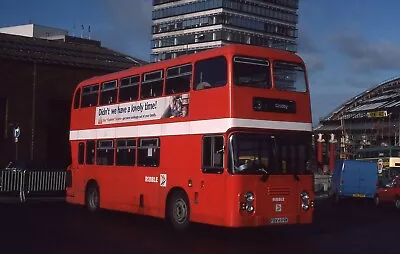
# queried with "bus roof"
point(249, 50)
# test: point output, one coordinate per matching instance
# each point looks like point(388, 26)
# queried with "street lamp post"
point(17, 133)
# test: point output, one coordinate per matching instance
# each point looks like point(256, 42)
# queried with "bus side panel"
point(181, 161)
point(201, 107)
point(123, 188)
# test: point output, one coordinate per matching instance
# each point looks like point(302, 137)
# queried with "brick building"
point(38, 77)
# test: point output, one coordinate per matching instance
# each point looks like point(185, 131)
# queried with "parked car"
point(389, 193)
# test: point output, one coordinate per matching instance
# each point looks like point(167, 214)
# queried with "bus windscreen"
point(274, 154)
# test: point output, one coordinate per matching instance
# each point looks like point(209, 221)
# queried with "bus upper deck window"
point(152, 84)
point(289, 77)
point(108, 92)
point(129, 89)
point(251, 72)
point(90, 95)
point(178, 79)
point(210, 73)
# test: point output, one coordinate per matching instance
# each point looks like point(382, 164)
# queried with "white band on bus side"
point(185, 128)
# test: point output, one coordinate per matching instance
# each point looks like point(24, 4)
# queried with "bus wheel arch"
point(92, 196)
point(177, 209)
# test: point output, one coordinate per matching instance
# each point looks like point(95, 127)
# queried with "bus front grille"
point(278, 191)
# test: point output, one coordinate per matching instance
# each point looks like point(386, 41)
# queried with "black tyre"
point(92, 198)
point(178, 211)
point(377, 201)
point(397, 203)
point(336, 198)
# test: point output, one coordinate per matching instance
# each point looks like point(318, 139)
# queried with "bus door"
point(212, 191)
point(90, 160)
point(76, 170)
point(148, 180)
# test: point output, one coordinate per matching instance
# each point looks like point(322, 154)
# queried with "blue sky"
point(348, 45)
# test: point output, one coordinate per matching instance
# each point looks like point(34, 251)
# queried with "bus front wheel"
point(178, 212)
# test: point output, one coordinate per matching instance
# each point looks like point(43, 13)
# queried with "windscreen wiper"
point(296, 176)
point(265, 175)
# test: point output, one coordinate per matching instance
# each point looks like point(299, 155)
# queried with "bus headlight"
point(250, 208)
point(249, 196)
point(305, 201)
point(248, 204)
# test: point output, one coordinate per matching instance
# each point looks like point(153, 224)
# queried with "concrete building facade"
point(187, 26)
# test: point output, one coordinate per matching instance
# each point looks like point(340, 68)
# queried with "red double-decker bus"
point(219, 137)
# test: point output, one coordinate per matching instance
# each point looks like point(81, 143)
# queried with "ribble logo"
point(151, 179)
point(280, 199)
point(163, 180)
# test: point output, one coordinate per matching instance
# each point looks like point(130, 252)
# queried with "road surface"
point(56, 227)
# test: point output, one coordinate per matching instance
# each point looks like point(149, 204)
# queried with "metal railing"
point(45, 180)
point(11, 180)
point(26, 182)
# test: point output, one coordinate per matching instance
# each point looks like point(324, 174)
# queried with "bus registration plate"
point(279, 220)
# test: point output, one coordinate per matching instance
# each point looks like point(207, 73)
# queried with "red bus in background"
point(220, 137)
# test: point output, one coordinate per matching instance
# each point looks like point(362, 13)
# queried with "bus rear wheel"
point(397, 203)
point(92, 198)
point(178, 212)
